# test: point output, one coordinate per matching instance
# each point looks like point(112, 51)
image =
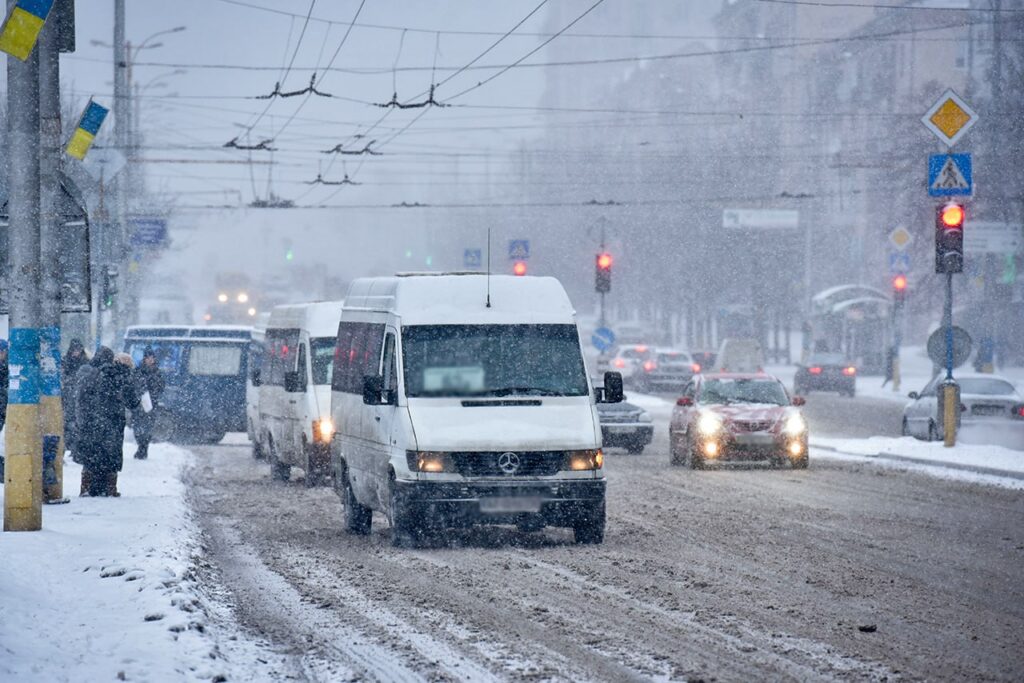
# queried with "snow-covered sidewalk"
point(106, 591)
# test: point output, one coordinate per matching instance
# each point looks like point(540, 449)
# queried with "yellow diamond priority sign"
point(900, 238)
point(950, 118)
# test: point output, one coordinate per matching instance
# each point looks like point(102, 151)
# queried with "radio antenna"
point(488, 266)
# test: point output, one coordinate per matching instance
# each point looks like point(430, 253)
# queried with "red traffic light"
point(899, 283)
point(604, 260)
point(519, 268)
point(952, 216)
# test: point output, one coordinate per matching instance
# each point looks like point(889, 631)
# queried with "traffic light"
point(108, 287)
point(603, 273)
point(519, 268)
point(949, 238)
point(899, 289)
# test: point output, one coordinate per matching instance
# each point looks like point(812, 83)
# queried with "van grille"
point(531, 464)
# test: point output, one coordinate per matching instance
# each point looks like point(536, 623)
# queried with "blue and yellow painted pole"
point(51, 411)
point(23, 473)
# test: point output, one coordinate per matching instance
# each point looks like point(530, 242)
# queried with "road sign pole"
point(23, 476)
point(951, 394)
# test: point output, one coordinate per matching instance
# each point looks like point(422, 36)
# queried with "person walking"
point(74, 360)
point(148, 378)
point(105, 391)
point(4, 382)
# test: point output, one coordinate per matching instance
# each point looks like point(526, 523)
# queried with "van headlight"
point(584, 460)
point(429, 461)
point(795, 425)
point(323, 429)
point(709, 424)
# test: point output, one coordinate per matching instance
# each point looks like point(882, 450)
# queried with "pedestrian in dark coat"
point(148, 377)
point(74, 359)
point(4, 381)
point(103, 397)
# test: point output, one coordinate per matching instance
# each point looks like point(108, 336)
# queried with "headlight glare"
point(709, 424)
point(429, 461)
point(324, 429)
point(585, 460)
point(795, 425)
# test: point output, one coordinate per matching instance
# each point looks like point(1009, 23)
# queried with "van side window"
point(282, 352)
point(356, 355)
point(388, 366)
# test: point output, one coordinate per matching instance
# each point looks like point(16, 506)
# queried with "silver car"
point(986, 400)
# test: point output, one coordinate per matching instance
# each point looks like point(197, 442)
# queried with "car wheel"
point(933, 432)
point(257, 451)
point(279, 471)
point(358, 518)
point(905, 429)
point(674, 459)
point(696, 461)
point(800, 463)
point(589, 530)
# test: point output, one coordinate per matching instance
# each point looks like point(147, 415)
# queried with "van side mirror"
point(256, 379)
point(373, 390)
point(799, 401)
point(612, 391)
point(293, 383)
point(913, 395)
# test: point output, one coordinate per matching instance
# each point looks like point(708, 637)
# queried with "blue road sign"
point(472, 258)
point(518, 250)
point(950, 175)
point(148, 231)
point(899, 263)
point(603, 339)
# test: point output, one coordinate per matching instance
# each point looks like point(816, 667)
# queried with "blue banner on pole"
point(23, 363)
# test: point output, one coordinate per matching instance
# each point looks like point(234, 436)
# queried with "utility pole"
point(118, 238)
point(51, 411)
point(23, 480)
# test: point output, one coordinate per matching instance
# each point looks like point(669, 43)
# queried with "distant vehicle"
point(625, 425)
point(205, 369)
point(455, 408)
point(826, 372)
point(986, 400)
point(737, 417)
point(234, 301)
point(739, 355)
point(629, 359)
point(665, 370)
point(703, 361)
point(294, 381)
point(629, 334)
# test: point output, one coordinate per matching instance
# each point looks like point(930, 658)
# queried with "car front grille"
point(531, 464)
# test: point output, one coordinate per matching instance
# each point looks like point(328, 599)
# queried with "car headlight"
point(585, 460)
point(429, 461)
point(323, 429)
point(709, 424)
point(645, 417)
point(795, 425)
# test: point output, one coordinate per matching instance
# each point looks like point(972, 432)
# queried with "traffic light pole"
point(950, 390)
point(23, 490)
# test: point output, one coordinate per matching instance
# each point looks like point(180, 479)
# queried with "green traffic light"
point(289, 255)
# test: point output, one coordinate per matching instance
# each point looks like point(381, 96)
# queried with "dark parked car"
point(826, 372)
point(703, 361)
point(625, 425)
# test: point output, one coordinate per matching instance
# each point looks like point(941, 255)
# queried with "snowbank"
point(106, 590)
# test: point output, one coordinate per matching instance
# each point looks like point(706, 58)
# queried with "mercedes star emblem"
point(508, 463)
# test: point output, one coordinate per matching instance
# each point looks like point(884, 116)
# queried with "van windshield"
point(493, 360)
point(322, 355)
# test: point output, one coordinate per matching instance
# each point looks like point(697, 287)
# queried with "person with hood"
point(74, 359)
point(148, 377)
point(105, 391)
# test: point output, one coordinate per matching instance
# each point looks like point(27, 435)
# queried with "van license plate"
point(507, 504)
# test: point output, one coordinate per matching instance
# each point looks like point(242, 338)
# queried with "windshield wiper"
point(525, 391)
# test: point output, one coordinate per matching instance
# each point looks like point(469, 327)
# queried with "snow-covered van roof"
point(461, 299)
point(190, 332)
point(319, 318)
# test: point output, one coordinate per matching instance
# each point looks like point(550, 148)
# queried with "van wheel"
point(279, 471)
point(589, 530)
point(358, 518)
point(905, 431)
point(933, 432)
point(635, 449)
point(257, 451)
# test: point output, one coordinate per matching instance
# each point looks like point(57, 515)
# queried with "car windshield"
point(827, 359)
point(985, 386)
point(738, 390)
point(322, 356)
point(634, 353)
point(493, 360)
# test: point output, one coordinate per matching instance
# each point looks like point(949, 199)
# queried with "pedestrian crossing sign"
point(950, 175)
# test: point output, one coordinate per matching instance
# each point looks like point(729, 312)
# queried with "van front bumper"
point(461, 504)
